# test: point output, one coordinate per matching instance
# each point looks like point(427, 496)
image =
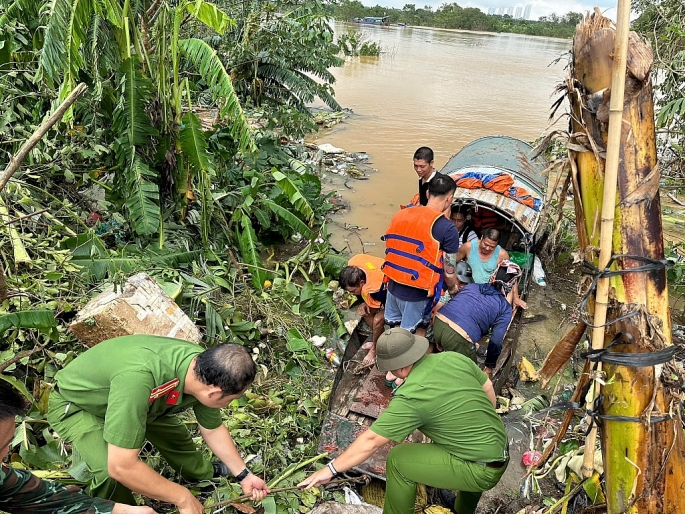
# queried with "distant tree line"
point(453, 16)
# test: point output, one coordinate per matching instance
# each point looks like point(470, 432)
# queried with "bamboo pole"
point(16, 160)
point(618, 79)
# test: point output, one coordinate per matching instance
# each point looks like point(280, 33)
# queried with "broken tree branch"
point(16, 160)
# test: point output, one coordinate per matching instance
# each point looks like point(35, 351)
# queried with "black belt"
point(497, 464)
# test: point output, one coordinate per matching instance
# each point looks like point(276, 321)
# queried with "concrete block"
point(140, 307)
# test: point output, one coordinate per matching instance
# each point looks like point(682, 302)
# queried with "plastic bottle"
point(538, 272)
point(332, 357)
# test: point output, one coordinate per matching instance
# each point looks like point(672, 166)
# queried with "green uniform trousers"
point(429, 464)
point(452, 341)
point(85, 432)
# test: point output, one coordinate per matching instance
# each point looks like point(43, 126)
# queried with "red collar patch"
point(164, 389)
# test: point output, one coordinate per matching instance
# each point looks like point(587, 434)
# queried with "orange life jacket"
point(412, 255)
point(415, 200)
point(374, 276)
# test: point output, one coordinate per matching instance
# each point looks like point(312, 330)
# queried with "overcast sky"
point(539, 7)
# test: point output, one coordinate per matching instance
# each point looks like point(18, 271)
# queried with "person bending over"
point(363, 277)
point(112, 398)
point(469, 450)
point(473, 312)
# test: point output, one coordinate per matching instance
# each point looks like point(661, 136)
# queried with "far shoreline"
point(443, 29)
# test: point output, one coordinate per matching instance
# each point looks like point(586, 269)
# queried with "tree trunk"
point(644, 462)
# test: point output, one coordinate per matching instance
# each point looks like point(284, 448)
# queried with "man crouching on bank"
point(450, 400)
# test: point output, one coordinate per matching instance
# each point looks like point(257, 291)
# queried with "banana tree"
point(152, 109)
point(641, 433)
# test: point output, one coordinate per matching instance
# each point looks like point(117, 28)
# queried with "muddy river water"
point(435, 88)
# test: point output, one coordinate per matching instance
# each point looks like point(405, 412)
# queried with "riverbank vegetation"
point(180, 161)
point(453, 16)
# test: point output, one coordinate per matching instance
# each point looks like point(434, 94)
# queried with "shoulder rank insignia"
point(164, 389)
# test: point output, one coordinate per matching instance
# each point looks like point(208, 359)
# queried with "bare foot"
point(370, 357)
point(367, 345)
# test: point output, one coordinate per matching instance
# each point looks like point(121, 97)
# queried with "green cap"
point(397, 348)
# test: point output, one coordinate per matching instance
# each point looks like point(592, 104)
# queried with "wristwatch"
point(242, 475)
point(332, 469)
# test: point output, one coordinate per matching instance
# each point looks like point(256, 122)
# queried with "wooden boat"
point(374, 20)
point(511, 177)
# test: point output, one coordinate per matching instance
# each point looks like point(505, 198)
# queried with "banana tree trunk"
point(644, 462)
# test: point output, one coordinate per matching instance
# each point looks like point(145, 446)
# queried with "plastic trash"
point(318, 341)
point(332, 357)
point(351, 497)
point(538, 272)
point(531, 457)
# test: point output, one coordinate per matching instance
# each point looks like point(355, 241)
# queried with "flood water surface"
point(435, 88)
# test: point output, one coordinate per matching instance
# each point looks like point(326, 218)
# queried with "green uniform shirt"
point(443, 397)
point(114, 380)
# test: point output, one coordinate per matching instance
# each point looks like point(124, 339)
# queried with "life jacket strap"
point(416, 258)
point(413, 273)
point(416, 242)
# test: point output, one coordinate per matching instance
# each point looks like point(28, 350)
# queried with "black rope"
point(632, 360)
point(588, 268)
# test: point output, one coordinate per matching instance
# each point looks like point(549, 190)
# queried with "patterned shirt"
point(23, 492)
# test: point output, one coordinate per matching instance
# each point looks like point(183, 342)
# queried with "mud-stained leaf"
point(244, 508)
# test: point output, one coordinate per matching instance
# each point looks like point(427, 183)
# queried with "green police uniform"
point(22, 492)
point(442, 397)
point(125, 391)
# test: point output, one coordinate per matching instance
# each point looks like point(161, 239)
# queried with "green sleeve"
point(128, 404)
point(478, 373)
point(207, 417)
point(21, 492)
point(397, 421)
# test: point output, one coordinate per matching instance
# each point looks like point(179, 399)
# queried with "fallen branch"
point(20, 356)
point(246, 497)
point(672, 197)
point(301, 465)
point(16, 160)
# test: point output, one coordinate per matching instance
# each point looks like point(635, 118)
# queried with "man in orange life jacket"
point(421, 246)
point(423, 166)
point(363, 277)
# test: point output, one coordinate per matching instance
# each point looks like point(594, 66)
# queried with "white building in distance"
point(526, 11)
point(518, 12)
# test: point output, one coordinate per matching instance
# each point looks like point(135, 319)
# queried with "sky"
point(539, 7)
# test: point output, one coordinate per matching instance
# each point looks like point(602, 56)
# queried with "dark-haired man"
point(363, 277)
point(423, 166)
point(111, 399)
point(420, 248)
point(484, 256)
point(21, 491)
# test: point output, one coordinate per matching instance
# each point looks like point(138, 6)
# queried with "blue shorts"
point(408, 315)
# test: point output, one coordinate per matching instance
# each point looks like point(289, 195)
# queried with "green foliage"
point(663, 23)
point(276, 52)
point(42, 320)
point(135, 161)
point(356, 43)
